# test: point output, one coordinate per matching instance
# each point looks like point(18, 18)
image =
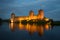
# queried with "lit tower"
point(31, 14)
point(40, 14)
point(12, 17)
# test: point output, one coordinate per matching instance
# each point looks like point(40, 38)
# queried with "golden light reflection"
point(40, 30)
point(30, 28)
point(21, 26)
point(46, 26)
point(11, 25)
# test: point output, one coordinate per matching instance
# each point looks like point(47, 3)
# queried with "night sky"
point(22, 8)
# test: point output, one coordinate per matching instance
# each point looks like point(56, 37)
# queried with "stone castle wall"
point(31, 16)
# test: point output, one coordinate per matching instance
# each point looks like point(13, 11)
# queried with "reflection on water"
point(31, 28)
point(19, 31)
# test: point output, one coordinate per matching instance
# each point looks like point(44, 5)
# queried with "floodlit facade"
point(31, 16)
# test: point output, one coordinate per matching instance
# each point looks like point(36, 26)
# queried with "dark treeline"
point(4, 20)
point(56, 23)
point(0, 20)
point(31, 22)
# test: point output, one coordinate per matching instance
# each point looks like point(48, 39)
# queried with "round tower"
point(40, 14)
point(31, 14)
point(12, 17)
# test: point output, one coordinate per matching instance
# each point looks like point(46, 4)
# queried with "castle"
point(31, 16)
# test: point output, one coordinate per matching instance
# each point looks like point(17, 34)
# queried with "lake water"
point(13, 31)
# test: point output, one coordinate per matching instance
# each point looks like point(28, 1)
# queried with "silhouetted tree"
point(0, 21)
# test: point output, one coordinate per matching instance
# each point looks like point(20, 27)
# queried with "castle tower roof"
point(12, 13)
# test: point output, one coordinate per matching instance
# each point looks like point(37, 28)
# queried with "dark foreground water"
point(13, 31)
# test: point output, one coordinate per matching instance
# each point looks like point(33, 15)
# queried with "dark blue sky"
point(22, 8)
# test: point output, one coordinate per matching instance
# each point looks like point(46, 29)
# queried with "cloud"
point(29, 3)
point(52, 11)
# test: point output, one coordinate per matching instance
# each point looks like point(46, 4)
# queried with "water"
point(13, 31)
